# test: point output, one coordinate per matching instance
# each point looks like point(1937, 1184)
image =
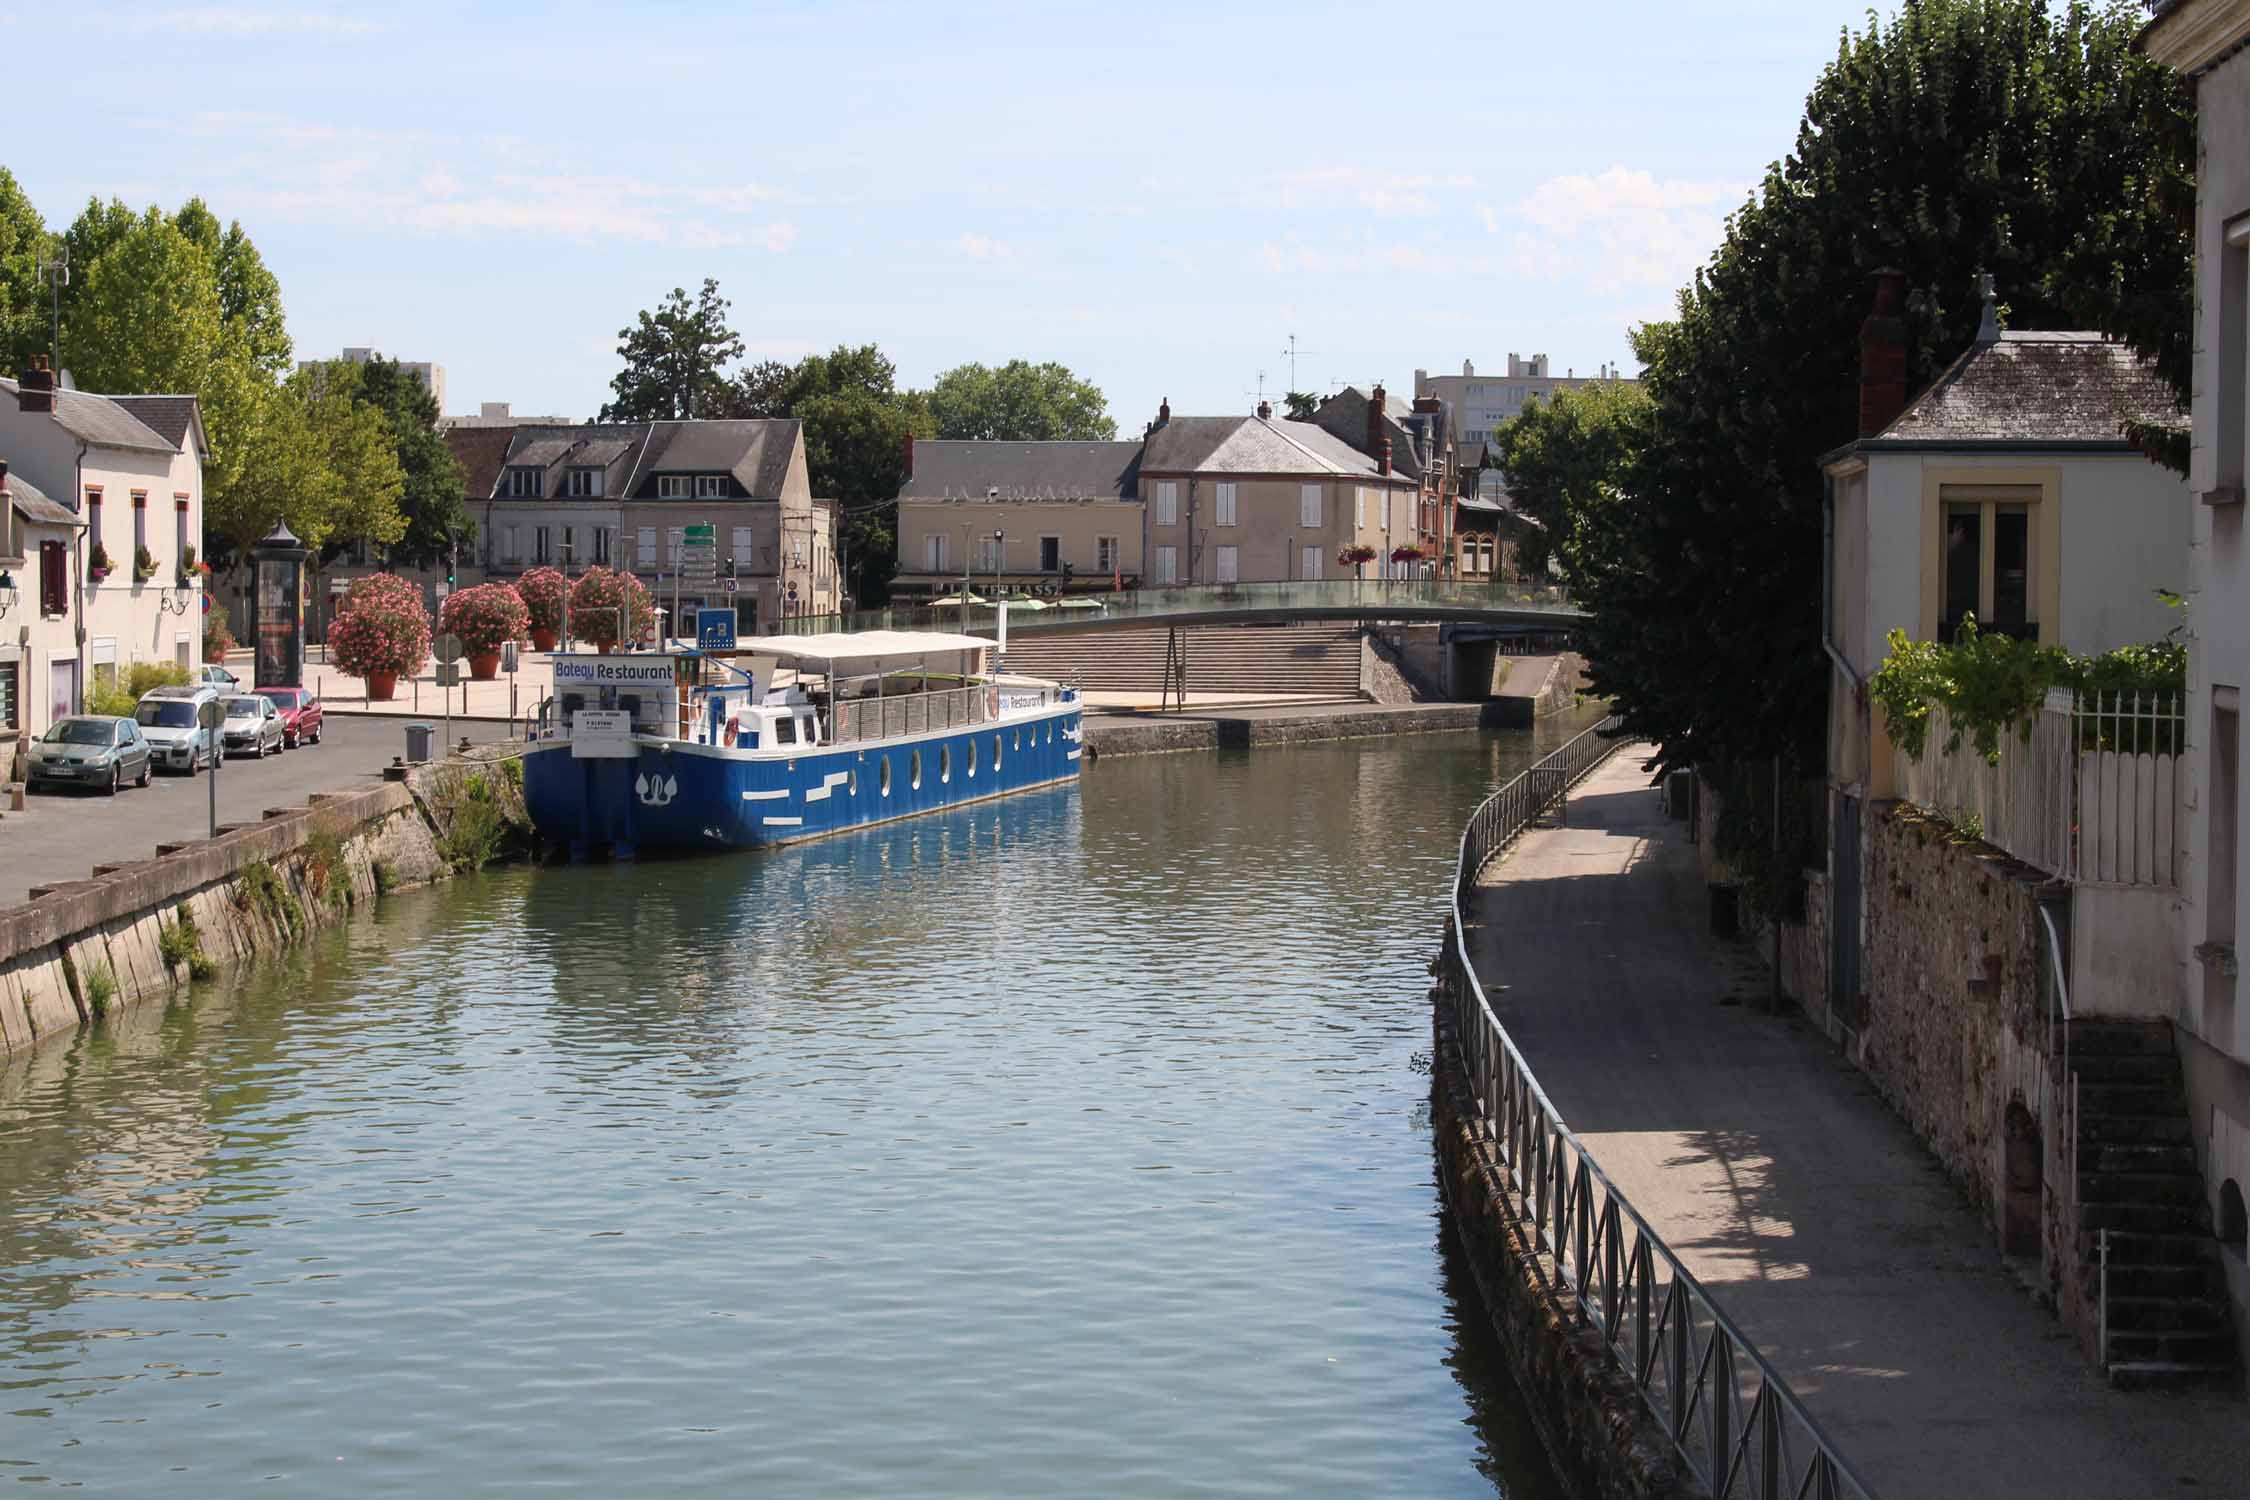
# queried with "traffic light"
point(730, 568)
point(452, 565)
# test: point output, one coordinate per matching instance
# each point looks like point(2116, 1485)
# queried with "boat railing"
point(858, 719)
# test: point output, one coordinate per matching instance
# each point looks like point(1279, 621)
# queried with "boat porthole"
point(1050, 731)
point(972, 760)
point(885, 776)
point(996, 755)
point(1018, 737)
point(852, 785)
point(914, 771)
point(944, 764)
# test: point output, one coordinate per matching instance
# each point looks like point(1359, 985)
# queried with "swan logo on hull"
point(657, 790)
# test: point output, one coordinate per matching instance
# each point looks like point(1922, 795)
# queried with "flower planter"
point(380, 686)
point(543, 640)
point(483, 665)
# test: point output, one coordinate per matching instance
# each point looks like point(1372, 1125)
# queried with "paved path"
point(62, 835)
point(1776, 1172)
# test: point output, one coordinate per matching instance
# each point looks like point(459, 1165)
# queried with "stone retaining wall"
point(1597, 1432)
point(1159, 734)
point(78, 950)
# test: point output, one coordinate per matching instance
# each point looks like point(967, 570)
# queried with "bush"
point(101, 988)
point(597, 598)
point(179, 943)
point(381, 627)
point(120, 697)
point(485, 616)
point(217, 639)
point(542, 591)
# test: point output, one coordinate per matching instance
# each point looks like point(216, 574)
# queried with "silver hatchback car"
point(251, 726)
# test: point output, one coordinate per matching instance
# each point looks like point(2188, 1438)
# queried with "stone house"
point(1263, 500)
point(1064, 516)
point(105, 521)
point(1422, 447)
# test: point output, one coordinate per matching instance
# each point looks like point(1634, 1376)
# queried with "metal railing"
point(1194, 599)
point(1730, 1416)
point(856, 719)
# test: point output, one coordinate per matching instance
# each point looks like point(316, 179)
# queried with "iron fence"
point(856, 719)
point(1730, 1416)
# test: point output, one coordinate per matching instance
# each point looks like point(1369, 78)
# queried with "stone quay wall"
point(79, 950)
point(1598, 1433)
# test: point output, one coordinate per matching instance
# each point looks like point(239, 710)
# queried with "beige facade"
point(1270, 528)
point(1023, 541)
point(1480, 404)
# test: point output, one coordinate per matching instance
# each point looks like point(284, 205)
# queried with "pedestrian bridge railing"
point(1526, 603)
point(1730, 1416)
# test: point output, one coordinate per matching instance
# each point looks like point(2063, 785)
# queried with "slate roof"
point(951, 470)
point(33, 505)
point(1251, 445)
point(2036, 389)
point(99, 420)
point(755, 450)
point(481, 452)
point(169, 417)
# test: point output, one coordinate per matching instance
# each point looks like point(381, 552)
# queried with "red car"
point(299, 711)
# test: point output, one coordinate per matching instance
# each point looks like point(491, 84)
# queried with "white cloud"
point(1388, 195)
point(1622, 232)
point(226, 20)
point(386, 179)
point(984, 247)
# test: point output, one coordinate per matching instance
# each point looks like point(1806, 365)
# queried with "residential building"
point(498, 414)
point(99, 485)
point(1477, 406)
point(1421, 446)
point(479, 453)
point(431, 376)
point(1060, 515)
point(622, 494)
point(2209, 42)
point(1258, 499)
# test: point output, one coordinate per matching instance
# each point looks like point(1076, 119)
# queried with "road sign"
point(730, 585)
point(448, 674)
point(448, 647)
point(211, 714)
point(714, 629)
point(700, 536)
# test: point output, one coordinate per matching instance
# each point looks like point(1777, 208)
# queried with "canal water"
point(1076, 1143)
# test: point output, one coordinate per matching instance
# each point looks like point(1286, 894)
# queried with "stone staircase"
point(1319, 660)
point(2167, 1317)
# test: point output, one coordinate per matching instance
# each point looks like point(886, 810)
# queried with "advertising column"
point(279, 608)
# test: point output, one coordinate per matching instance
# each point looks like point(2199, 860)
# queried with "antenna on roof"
point(1260, 392)
point(1291, 351)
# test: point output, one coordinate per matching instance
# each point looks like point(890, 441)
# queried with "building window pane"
point(1309, 505)
point(1167, 503)
point(1226, 504)
point(2011, 568)
point(1167, 565)
point(1964, 566)
point(1050, 554)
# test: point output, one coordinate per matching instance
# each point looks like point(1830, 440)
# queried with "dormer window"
point(675, 486)
point(710, 486)
point(523, 484)
point(585, 484)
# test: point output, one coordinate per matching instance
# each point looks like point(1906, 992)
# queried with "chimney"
point(1383, 455)
point(1164, 411)
point(1882, 355)
point(1428, 403)
point(35, 388)
point(909, 455)
point(1265, 411)
point(1375, 421)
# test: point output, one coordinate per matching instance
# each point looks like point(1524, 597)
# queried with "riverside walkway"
point(1789, 1188)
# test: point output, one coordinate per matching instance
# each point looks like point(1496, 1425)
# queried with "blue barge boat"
point(685, 750)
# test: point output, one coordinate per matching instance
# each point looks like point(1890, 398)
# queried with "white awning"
point(862, 646)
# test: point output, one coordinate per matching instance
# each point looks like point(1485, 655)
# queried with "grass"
point(327, 873)
point(265, 892)
point(178, 943)
point(101, 988)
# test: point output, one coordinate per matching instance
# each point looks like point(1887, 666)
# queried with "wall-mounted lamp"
point(7, 594)
point(176, 599)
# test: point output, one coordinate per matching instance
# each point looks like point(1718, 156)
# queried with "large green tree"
point(1019, 402)
point(1567, 462)
point(435, 510)
point(675, 359)
point(2007, 136)
point(25, 326)
point(319, 458)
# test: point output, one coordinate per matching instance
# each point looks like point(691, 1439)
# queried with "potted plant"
point(543, 591)
point(144, 565)
point(97, 563)
point(485, 618)
point(191, 570)
point(1356, 557)
point(381, 630)
point(599, 600)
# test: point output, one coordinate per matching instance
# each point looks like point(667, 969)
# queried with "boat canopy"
point(883, 647)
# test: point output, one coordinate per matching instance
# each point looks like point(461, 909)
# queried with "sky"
point(1157, 196)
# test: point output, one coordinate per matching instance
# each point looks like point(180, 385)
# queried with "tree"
point(1303, 405)
point(25, 328)
point(1965, 135)
point(673, 359)
point(319, 459)
point(1019, 402)
point(434, 507)
point(1566, 461)
point(249, 294)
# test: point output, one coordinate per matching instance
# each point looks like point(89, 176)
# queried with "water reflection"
point(1067, 1142)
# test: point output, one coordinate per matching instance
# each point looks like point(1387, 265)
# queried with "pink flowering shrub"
point(542, 591)
point(484, 617)
point(596, 599)
point(382, 627)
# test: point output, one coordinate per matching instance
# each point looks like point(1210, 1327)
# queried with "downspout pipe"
point(78, 560)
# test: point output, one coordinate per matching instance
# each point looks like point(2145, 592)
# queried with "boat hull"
point(678, 795)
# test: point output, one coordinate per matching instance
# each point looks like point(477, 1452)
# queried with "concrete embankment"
point(139, 931)
point(1210, 729)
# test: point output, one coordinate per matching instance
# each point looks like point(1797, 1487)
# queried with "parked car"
point(89, 750)
point(300, 714)
point(176, 739)
point(212, 675)
point(251, 726)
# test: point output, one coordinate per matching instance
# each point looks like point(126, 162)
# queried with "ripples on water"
point(1071, 1143)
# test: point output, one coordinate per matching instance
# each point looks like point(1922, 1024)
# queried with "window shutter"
point(54, 578)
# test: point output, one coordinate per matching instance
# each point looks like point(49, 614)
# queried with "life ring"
point(992, 702)
point(733, 725)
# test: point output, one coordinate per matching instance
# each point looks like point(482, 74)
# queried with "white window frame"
point(1359, 506)
point(1108, 556)
point(511, 543)
point(742, 546)
point(1226, 565)
point(1224, 508)
point(1167, 502)
point(585, 484)
point(710, 486)
point(644, 548)
point(1310, 567)
point(523, 483)
point(933, 552)
point(675, 486)
point(1167, 565)
point(1308, 505)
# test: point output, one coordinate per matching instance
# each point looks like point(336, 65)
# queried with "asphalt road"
point(62, 835)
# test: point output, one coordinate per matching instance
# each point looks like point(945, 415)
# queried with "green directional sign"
point(704, 536)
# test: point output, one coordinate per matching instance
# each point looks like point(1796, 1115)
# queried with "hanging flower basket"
point(144, 565)
point(1356, 555)
point(97, 563)
point(1408, 555)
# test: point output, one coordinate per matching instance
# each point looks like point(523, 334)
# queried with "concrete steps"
point(1317, 659)
point(2165, 1314)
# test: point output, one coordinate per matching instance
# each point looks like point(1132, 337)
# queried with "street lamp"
point(7, 594)
point(999, 544)
point(172, 601)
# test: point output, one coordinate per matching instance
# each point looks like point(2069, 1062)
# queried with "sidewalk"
point(1774, 1170)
